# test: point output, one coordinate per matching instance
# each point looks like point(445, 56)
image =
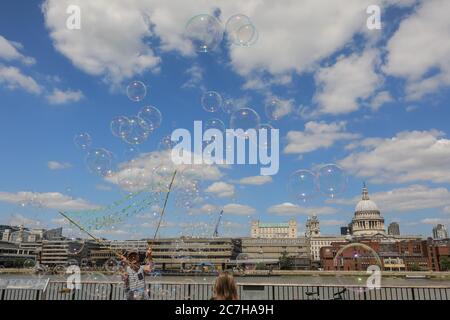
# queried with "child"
point(225, 287)
point(133, 275)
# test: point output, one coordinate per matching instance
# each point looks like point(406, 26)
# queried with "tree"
point(260, 266)
point(444, 263)
point(415, 267)
point(284, 261)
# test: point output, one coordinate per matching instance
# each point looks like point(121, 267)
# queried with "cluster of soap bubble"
point(135, 130)
point(240, 118)
point(98, 161)
point(330, 180)
point(205, 32)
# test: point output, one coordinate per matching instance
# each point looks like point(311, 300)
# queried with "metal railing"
point(201, 291)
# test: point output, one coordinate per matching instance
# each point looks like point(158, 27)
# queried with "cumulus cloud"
point(221, 189)
point(49, 200)
point(13, 78)
point(288, 209)
point(409, 156)
point(295, 35)
point(406, 199)
point(412, 55)
point(255, 180)
point(317, 135)
point(10, 51)
point(343, 85)
point(63, 97)
point(195, 78)
point(238, 209)
point(55, 165)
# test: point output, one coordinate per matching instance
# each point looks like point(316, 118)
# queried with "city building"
point(13, 255)
point(440, 232)
point(21, 234)
point(438, 252)
point(274, 230)
point(394, 229)
point(312, 227)
point(345, 231)
point(317, 240)
point(393, 256)
point(269, 251)
point(191, 253)
point(367, 220)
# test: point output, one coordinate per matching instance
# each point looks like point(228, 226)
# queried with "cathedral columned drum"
point(367, 220)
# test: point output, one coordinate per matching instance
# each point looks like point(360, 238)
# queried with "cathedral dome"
point(366, 205)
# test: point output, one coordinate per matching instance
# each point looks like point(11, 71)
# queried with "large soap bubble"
point(245, 119)
point(204, 32)
point(135, 131)
point(332, 180)
point(119, 126)
point(82, 140)
point(211, 101)
point(136, 91)
point(241, 31)
point(302, 185)
point(99, 162)
point(152, 117)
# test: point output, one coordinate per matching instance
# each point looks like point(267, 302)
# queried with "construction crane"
point(216, 230)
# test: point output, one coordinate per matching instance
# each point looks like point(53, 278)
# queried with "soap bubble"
point(152, 117)
point(275, 109)
point(136, 132)
point(99, 162)
point(29, 263)
point(204, 32)
point(302, 185)
point(357, 257)
point(228, 106)
point(136, 91)
point(241, 31)
point(83, 140)
point(332, 180)
point(166, 143)
point(211, 101)
point(246, 35)
point(119, 126)
point(215, 124)
point(245, 119)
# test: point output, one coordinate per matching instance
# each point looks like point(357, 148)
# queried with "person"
point(225, 287)
point(133, 275)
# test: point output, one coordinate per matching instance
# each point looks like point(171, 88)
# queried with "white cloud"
point(406, 199)
point(9, 51)
point(49, 200)
point(221, 189)
point(55, 165)
point(412, 55)
point(435, 221)
point(342, 86)
point(380, 99)
point(409, 156)
point(294, 35)
point(13, 78)
point(317, 135)
point(115, 48)
point(287, 209)
point(255, 180)
point(63, 97)
point(155, 169)
point(333, 223)
point(280, 108)
point(238, 209)
point(195, 81)
point(18, 220)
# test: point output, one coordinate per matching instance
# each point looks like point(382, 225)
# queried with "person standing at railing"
point(133, 275)
point(225, 287)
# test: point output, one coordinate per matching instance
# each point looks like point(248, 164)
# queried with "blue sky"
point(375, 102)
